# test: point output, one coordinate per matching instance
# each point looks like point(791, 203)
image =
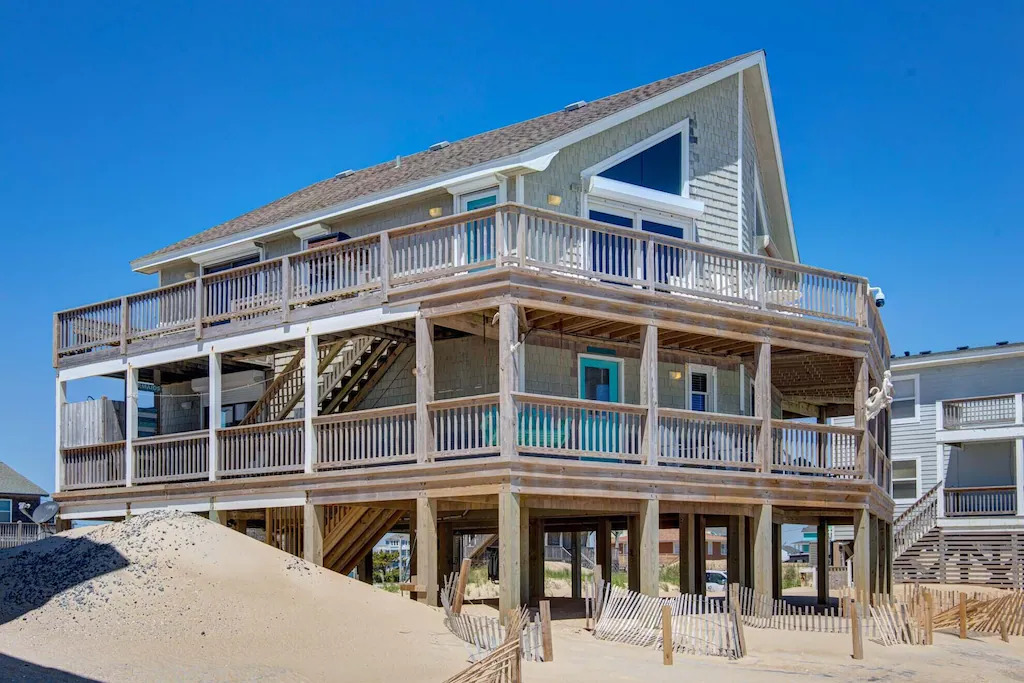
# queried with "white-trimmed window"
point(701, 381)
point(906, 405)
point(6, 510)
point(904, 480)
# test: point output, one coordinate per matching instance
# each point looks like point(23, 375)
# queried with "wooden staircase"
point(351, 531)
point(364, 374)
point(916, 521)
point(343, 363)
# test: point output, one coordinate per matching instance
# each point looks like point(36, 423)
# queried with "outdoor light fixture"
point(435, 212)
point(554, 199)
point(675, 374)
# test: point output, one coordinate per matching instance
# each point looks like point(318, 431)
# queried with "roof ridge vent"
point(962, 348)
point(1002, 343)
point(439, 146)
point(578, 104)
point(344, 174)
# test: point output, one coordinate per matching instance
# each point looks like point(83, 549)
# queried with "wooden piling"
point(666, 635)
point(460, 590)
point(963, 616)
point(545, 630)
point(858, 641)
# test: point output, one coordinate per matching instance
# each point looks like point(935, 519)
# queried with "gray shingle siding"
point(713, 158)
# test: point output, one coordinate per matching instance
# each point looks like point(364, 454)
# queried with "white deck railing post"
point(214, 414)
point(131, 421)
point(1019, 473)
point(311, 404)
point(62, 399)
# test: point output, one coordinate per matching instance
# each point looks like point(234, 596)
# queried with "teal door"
point(479, 233)
point(600, 380)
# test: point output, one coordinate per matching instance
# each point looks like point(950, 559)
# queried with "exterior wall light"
point(554, 200)
point(435, 212)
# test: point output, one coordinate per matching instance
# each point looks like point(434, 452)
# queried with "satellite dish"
point(45, 512)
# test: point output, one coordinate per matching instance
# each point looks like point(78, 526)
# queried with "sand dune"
point(173, 596)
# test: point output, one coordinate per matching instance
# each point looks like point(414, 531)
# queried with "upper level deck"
point(416, 264)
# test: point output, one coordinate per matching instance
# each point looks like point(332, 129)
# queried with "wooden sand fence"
point(694, 624)
point(486, 634)
point(1003, 614)
point(885, 619)
point(501, 664)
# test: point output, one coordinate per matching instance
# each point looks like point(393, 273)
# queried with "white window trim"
point(917, 399)
point(712, 372)
point(466, 197)
point(11, 503)
point(597, 356)
point(917, 478)
point(254, 249)
point(638, 214)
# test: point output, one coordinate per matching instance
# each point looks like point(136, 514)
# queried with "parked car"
point(716, 581)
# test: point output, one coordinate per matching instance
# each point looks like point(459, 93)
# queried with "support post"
point(762, 555)
point(424, 388)
point(861, 552)
point(648, 555)
point(61, 401)
point(686, 554)
point(131, 421)
point(313, 533)
point(603, 546)
point(777, 561)
point(426, 548)
point(860, 417)
point(649, 392)
point(763, 404)
point(214, 414)
point(311, 401)
point(733, 544)
point(509, 347)
point(633, 553)
point(218, 516)
point(576, 564)
point(536, 559)
point(525, 582)
point(700, 555)
point(444, 551)
point(1018, 471)
point(366, 568)
point(508, 551)
point(873, 531)
point(823, 563)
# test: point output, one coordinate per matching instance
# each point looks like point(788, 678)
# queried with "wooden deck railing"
point(366, 437)
point(803, 448)
point(13, 534)
point(979, 501)
point(172, 457)
point(985, 411)
point(505, 235)
point(545, 426)
point(574, 428)
point(93, 466)
point(465, 426)
point(687, 437)
point(267, 448)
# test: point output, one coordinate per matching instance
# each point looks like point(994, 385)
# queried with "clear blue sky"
point(124, 127)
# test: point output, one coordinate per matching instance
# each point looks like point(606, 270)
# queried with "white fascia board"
point(281, 333)
point(978, 523)
point(250, 502)
point(533, 159)
point(967, 356)
point(778, 152)
point(529, 161)
point(618, 191)
point(181, 504)
point(93, 511)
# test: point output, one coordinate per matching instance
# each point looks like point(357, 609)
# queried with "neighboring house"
point(399, 544)
point(592, 320)
point(715, 547)
point(958, 458)
point(18, 498)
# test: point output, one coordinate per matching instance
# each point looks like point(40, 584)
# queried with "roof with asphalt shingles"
point(14, 483)
point(465, 153)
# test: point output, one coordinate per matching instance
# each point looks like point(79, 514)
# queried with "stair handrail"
point(916, 521)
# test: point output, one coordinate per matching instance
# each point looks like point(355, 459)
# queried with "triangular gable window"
point(659, 167)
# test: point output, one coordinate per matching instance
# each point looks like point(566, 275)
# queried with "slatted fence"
point(700, 625)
